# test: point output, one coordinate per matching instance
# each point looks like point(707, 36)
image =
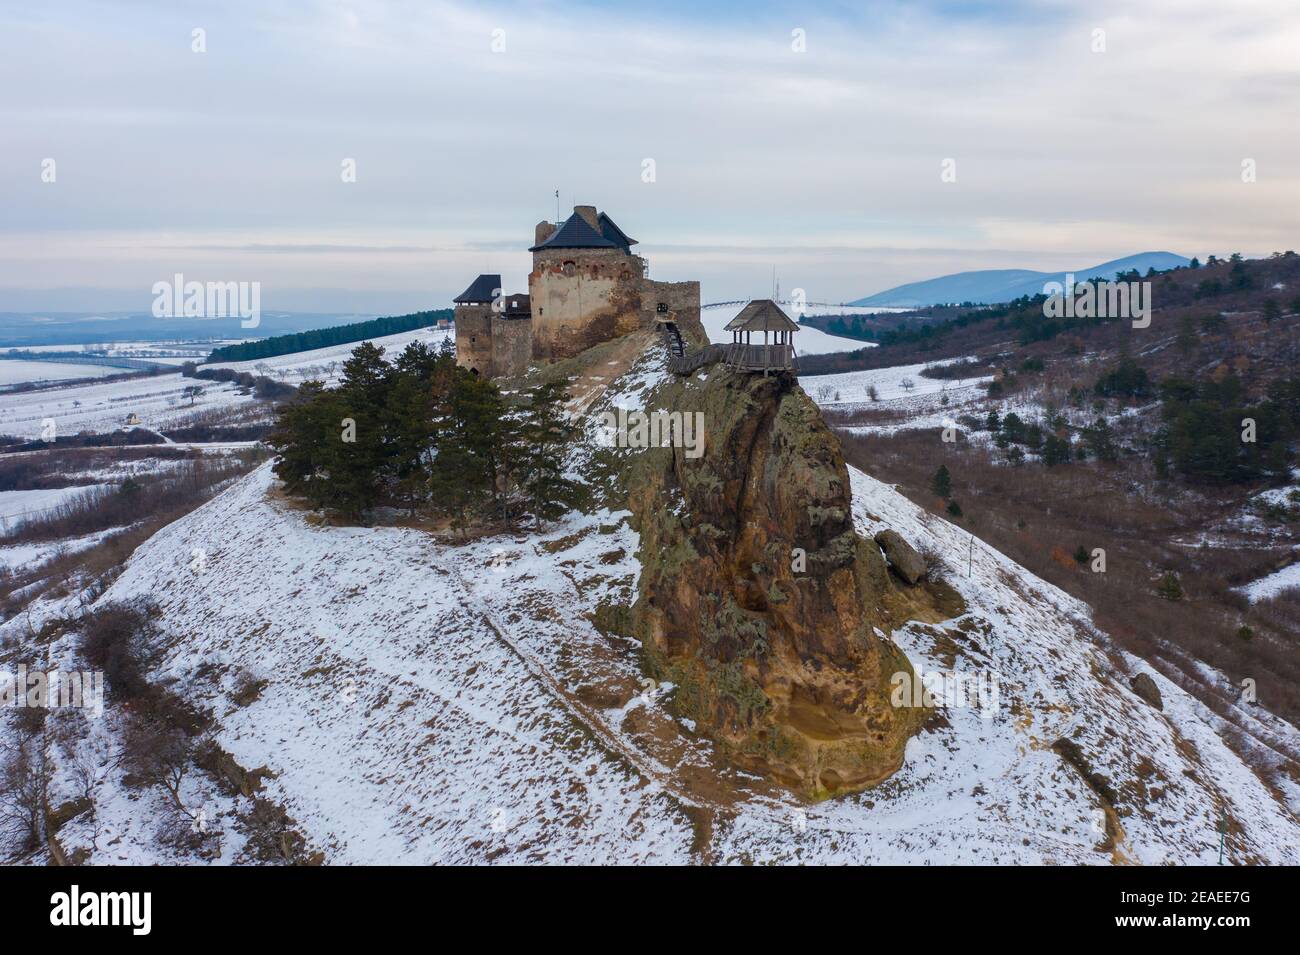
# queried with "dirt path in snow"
point(591, 384)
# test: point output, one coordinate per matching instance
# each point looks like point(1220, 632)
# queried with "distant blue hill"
point(989, 286)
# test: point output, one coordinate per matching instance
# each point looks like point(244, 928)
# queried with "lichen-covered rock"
point(1146, 688)
point(902, 556)
point(758, 599)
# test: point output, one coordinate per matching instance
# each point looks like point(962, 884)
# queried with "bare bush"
point(272, 836)
point(97, 509)
point(937, 568)
point(24, 789)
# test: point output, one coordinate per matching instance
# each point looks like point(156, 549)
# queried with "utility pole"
point(970, 554)
point(1223, 832)
point(557, 207)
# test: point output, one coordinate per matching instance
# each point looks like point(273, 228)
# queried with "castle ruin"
point(586, 287)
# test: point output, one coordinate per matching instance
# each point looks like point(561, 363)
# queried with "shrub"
point(1169, 587)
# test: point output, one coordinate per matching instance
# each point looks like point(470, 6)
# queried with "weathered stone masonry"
point(585, 288)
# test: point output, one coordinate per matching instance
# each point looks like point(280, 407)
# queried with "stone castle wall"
point(579, 298)
point(474, 338)
point(512, 346)
point(681, 298)
point(582, 297)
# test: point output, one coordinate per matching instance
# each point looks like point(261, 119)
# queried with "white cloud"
point(459, 149)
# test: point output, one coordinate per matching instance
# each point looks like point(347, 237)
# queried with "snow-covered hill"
point(426, 702)
point(158, 402)
point(326, 364)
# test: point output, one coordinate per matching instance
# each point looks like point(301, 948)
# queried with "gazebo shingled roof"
point(762, 315)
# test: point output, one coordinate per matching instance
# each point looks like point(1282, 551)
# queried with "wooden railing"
point(742, 357)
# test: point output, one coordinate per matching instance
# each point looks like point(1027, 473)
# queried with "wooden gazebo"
point(766, 317)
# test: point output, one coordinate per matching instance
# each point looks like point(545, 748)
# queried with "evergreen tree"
point(1169, 587)
point(303, 436)
point(1100, 440)
point(941, 483)
point(546, 435)
point(475, 434)
point(409, 435)
point(1055, 450)
point(360, 447)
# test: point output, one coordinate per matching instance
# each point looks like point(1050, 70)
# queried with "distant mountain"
point(988, 286)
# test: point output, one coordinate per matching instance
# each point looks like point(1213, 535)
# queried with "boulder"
point(1146, 688)
point(902, 556)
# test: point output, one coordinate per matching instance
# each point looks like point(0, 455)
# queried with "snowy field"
point(16, 371)
point(326, 364)
point(158, 402)
point(1274, 583)
point(924, 402)
point(807, 341)
point(18, 557)
point(15, 505)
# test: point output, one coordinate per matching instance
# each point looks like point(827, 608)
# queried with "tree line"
point(326, 337)
point(424, 435)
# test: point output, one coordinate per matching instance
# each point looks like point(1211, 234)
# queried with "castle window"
point(570, 268)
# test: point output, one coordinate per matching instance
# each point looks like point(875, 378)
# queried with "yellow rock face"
point(757, 597)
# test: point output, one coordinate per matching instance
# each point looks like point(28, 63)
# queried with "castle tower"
point(474, 313)
point(584, 285)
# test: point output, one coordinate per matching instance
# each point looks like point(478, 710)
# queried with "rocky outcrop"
point(758, 600)
point(1146, 688)
point(902, 556)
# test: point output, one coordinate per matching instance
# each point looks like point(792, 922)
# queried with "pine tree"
point(417, 360)
point(474, 434)
point(1169, 587)
point(409, 437)
point(941, 483)
point(358, 448)
point(305, 436)
point(1101, 440)
point(546, 435)
point(1056, 450)
point(1186, 335)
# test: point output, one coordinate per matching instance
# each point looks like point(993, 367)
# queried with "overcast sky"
point(825, 164)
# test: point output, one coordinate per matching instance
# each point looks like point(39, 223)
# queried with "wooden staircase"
point(673, 339)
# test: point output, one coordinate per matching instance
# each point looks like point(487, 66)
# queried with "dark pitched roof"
point(485, 288)
point(763, 315)
point(612, 232)
point(575, 234)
